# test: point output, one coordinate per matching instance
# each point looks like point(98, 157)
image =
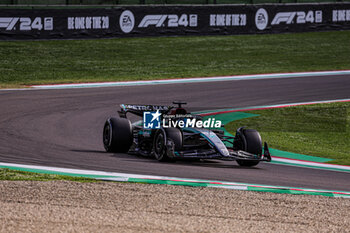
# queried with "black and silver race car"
point(171, 143)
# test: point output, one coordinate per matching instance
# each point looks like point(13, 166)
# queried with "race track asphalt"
point(63, 128)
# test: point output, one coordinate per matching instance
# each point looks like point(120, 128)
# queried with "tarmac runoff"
point(292, 160)
point(278, 157)
point(284, 158)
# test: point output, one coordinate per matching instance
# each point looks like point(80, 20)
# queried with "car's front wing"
point(213, 154)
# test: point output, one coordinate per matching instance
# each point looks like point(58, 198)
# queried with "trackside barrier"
point(140, 21)
point(136, 2)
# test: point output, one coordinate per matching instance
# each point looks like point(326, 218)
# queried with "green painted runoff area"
point(226, 118)
point(318, 132)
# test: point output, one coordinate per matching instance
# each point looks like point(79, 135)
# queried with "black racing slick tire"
point(175, 135)
point(117, 135)
point(162, 136)
point(250, 141)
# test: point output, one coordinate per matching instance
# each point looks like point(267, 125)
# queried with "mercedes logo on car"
point(127, 21)
point(261, 19)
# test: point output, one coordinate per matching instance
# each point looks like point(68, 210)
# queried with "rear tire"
point(249, 140)
point(117, 135)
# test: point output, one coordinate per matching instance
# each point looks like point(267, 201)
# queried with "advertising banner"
point(140, 21)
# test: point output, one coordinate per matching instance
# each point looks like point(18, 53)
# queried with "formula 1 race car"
point(169, 141)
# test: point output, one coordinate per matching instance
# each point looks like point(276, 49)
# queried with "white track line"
point(186, 80)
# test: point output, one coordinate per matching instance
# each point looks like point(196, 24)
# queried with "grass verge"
point(8, 174)
point(67, 61)
point(320, 130)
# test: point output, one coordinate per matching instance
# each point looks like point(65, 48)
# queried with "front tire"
point(117, 135)
point(248, 140)
point(160, 143)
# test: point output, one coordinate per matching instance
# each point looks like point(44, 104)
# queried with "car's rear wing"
point(140, 109)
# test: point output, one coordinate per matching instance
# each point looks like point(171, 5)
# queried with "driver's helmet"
point(178, 111)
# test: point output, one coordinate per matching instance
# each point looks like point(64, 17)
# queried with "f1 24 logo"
point(300, 16)
point(169, 21)
point(26, 23)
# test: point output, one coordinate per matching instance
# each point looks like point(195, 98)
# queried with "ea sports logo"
point(261, 19)
point(127, 21)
